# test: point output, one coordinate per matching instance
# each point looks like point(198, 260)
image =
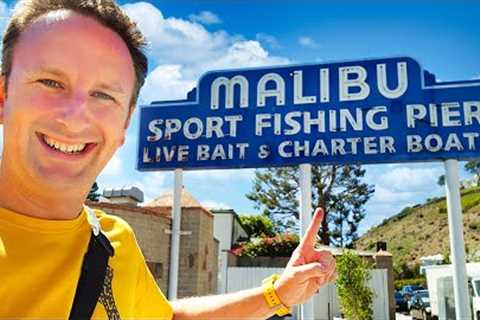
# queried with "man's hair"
point(106, 12)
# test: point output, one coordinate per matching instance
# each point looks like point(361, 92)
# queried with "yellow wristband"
point(271, 296)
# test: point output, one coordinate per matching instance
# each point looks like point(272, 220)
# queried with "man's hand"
point(308, 269)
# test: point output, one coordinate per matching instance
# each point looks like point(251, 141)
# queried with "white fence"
point(326, 300)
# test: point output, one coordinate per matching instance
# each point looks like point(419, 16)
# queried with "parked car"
point(420, 305)
point(400, 302)
point(474, 285)
point(409, 289)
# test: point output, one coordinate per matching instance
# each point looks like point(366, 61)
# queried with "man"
point(71, 73)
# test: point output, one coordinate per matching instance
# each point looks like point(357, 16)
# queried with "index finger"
point(310, 236)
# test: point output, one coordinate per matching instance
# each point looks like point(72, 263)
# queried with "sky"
point(188, 38)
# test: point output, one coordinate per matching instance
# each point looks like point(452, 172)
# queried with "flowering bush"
point(281, 245)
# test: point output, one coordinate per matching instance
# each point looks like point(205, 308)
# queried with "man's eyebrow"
point(114, 87)
point(44, 69)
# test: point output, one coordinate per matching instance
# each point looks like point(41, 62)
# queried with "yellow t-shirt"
point(40, 262)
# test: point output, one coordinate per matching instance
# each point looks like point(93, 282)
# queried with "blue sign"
point(373, 111)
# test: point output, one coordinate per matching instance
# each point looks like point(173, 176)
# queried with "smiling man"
point(71, 74)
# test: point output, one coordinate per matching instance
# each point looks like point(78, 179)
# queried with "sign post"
point(305, 218)
point(457, 246)
point(175, 243)
point(356, 112)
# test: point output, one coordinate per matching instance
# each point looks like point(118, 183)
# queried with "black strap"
point(90, 284)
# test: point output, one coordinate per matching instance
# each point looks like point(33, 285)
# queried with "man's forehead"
point(66, 21)
point(63, 34)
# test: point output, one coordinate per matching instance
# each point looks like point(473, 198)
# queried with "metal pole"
point(305, 217)
point(175, 243)
point(457, 246)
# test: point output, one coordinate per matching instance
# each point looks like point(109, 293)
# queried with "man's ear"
point(3, 95)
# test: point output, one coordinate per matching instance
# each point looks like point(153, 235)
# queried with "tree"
point(473, 167)
point(257, 225)
point(337, 189)
point(94, 195)
point(441, 180)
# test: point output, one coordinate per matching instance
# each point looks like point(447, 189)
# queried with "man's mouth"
point(71, 149)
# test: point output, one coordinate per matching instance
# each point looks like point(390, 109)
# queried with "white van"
point(440, 289)
point(475, 293)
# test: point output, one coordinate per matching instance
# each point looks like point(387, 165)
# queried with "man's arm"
point(244, 304)
point(307, 270)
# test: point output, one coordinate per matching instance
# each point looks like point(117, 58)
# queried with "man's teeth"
point(64, 147)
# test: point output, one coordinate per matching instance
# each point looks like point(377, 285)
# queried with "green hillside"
point(422, 230)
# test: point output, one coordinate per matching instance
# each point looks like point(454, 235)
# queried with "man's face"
point(67, 105)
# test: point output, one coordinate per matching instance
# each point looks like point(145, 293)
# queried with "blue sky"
point(188, 38)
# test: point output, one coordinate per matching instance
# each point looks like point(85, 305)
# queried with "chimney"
point(381, 245)
point(130, 196)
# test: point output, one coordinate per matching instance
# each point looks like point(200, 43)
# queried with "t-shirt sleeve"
point(150, 302)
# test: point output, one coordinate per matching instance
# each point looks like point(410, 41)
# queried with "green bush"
point(355, 296)
point(402, 270)
point(281, 245)
point(257, 225)
point(399, 284)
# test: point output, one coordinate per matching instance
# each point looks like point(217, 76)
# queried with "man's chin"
point(66, 181)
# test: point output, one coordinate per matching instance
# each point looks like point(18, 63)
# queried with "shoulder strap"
point(94, 269)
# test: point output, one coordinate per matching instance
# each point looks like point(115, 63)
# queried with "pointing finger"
point(310, 236)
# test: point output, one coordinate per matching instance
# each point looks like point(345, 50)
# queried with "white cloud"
point(205, 17)
point(388, 196)
point(247, 53)
point(307, 42)
point(166, 82)
point(397, 186)
point(113, 167)
point(410, 179)
point(211, 204)
point(220, 175)
point(187, 50)
point(267, 39)
point(176, 41)
point(152, 184)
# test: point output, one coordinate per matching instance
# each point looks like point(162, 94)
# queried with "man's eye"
point(103, 96)
point(51, 83)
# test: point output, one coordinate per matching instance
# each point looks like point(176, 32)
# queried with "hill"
point(422, 230)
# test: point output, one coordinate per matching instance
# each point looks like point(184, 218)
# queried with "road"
point(399, 316)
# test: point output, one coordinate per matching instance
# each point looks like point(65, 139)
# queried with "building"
point(151, 223)
point(430, 261)
point(228, 230)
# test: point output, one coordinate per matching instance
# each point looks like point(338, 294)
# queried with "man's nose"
point(75, 115)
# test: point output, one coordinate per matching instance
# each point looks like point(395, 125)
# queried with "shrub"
point(355, 296)
point(281, 245)
point(420, 281)
point(257, 225)
point(402, 270)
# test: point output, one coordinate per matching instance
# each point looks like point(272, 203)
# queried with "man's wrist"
point(271, 297)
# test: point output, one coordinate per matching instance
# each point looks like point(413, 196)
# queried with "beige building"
point(151, 223)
